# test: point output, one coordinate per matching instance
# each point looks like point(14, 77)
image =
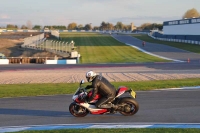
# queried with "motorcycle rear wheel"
point(130, 108)
point(77, 110)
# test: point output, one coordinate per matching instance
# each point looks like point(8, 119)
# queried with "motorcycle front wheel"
point(77, 110)
point(130, 106)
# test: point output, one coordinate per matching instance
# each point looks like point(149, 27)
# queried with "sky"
point(63, 12)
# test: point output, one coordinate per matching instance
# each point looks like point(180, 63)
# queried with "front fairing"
point(79, 95)
point(77, 92)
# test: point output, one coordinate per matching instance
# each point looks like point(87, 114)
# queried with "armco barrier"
point(176, 40)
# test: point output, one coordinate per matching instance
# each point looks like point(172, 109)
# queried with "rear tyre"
point(130, 106)
point(77, 111)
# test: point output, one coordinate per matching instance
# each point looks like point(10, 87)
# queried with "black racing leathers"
point(103, 87)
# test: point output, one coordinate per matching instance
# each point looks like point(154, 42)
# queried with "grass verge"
point(98, 48)
point(17, 90)
point(129, 130)
point(185, 46)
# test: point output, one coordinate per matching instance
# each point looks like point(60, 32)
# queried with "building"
point(133, 27)
point(184, 30)
point(182, 27)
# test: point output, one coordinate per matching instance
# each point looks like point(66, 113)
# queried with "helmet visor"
point(88, 78)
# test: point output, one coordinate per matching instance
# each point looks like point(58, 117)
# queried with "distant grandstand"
point(184, 30)
point(182, 27)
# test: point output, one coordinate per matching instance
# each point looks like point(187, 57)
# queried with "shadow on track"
point(27, 112)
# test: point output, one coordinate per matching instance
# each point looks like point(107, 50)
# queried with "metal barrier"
point(175, 40)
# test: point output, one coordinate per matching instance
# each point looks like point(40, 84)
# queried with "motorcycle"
point(127, 105)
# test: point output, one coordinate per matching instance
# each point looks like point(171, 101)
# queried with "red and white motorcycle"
point(126, 105)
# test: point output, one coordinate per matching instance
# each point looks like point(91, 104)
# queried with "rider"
point(102, 86)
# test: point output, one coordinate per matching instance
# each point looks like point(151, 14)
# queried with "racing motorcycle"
point(126, 105)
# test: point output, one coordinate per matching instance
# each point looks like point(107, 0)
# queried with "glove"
point(82, 97)
point(88, 87)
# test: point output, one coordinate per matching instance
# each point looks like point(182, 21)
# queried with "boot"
point(108, 105)
point(113, 108)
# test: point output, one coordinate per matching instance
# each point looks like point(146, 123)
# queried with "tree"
point(145, 25)
point(55, 27)
point(80, 27)
point(106, 26)
point(160, 26)
point(10, 26)
point(110, 26)
point(96, 28)
point(119, 26)
point(24, 27)
point(72, 26)
point(127, 27)
point(88, 27)
point(37, 27)
point(149, 26)
point(191, 13)
point(103, 26)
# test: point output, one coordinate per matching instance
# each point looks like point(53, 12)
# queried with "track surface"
point(166, 106)
point(175, 106)
point(160, 49)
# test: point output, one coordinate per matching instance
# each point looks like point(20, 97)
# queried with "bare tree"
point(191, 13)
point(29, 24)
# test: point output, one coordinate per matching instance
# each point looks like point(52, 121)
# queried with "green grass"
point(97, 48)
point(189, 47)
point(129, 130)
point(17, 90)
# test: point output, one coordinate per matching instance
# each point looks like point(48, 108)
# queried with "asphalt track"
point(166, 106)
point(159, 49)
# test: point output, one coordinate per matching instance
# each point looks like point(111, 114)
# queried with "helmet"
point(90, 75)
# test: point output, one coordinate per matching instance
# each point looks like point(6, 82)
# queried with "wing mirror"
point(82, 82)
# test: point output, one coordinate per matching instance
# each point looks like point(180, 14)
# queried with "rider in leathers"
point(103, 87)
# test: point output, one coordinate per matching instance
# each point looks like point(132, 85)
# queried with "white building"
point(182, 27)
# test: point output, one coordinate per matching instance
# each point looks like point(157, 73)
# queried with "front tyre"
point(77, 110)
point(130, 106)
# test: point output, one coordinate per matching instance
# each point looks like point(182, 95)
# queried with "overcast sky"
point(63, 12)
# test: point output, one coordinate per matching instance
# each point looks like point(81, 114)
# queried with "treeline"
point(103, 26)
point(191, 13)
